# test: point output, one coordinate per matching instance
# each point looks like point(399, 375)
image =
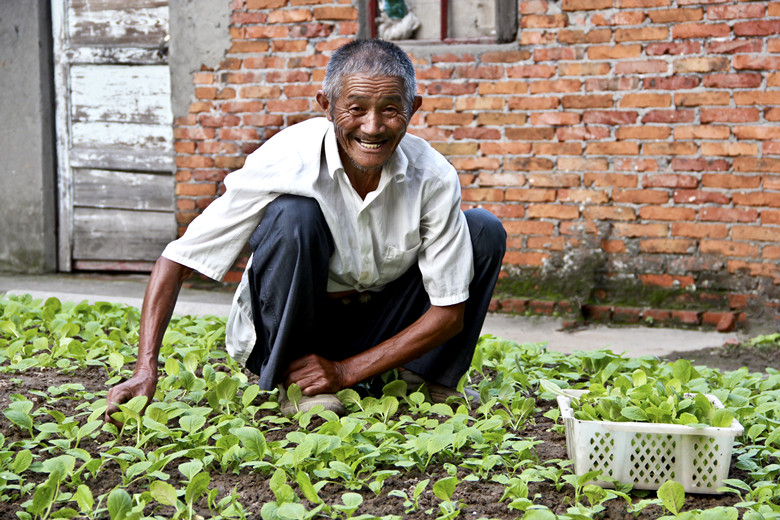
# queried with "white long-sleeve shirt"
point(412, 217)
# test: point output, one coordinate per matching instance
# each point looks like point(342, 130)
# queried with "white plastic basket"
point(648, 454)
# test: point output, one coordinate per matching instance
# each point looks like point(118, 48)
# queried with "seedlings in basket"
point(636, 397)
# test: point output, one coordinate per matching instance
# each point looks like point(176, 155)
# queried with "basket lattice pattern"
point(705, 462)
point(652, 459)
point(602, 452)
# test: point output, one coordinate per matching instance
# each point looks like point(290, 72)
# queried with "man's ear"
point(417, 104)
point(324, 102)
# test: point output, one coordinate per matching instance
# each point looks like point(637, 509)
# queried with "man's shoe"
point(307, 402)
point(439, 393)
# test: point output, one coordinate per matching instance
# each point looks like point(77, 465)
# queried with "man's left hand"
point(315, 375)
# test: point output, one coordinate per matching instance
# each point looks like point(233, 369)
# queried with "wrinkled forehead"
point(372, 86)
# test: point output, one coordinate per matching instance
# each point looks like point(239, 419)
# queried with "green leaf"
point(84, 499)
point(639, 377)
point(420, 487)
point(395, 388)
point(250, 393)
point(22, 461)
point(191, 468)
point(294, 394)
point(61, 466)
point(197, 486)
point(539, 514)
point(164, 493)
point(634, 413)
point(192, 423)
point(227, 388)
point(42, 497)
point(88, 428)
point(306, 487)
point(720, 513)
point(116, 361)
point(252, 440)
point(65, 512)
point(722, 418)
point(119, 504)
point(445, 487)
point(682, 370)
point(19, 418)
point(352, 500)
point(672, 495)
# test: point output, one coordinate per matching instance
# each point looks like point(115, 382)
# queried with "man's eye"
point(355, 110)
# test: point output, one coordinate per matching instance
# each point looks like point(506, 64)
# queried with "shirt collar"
point(395, 168)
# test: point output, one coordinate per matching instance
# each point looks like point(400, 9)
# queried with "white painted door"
point(114, 133)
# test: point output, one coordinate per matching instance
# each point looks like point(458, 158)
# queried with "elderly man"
point(362, 258)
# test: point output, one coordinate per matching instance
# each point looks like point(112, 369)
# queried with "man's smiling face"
point(370, 119)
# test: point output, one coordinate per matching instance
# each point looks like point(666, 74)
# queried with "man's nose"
point(372, 122)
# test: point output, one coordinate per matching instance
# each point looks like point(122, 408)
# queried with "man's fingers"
point(116, 397)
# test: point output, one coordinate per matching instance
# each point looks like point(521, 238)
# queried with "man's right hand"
point(159, 300)
point(142, 383)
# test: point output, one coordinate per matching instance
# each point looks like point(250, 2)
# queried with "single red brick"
point(676, 15)
point(700, 30)
point(657, 316)
point(597, 312)
point(686, 317)
point(515, 305)
point(674, 48)
point(666, 246)
point(611, 117)
point(757, 27)
point(626, 314)
point(534, 259)
point(671, 83)
point(542, 307)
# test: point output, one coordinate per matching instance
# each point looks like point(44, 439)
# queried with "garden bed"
point(502, 460)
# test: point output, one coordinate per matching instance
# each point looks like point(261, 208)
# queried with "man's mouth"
point(370, 145)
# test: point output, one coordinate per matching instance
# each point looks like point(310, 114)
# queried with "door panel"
point(114, 133)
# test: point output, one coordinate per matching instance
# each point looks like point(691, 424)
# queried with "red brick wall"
point(646, 127)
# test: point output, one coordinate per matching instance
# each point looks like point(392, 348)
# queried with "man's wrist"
point(145, 369)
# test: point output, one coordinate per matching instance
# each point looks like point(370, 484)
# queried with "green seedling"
point(672, 496)
point(18, 412)
point(444, 489)
point(411, 503)
point(351, 502)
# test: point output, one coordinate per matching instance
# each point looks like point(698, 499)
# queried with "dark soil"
point(478, 499)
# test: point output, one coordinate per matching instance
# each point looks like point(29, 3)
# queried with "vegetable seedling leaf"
point(163, 492)
point(196, 487)
point(445, 487)
point(84, 498)
point(191, 468)
point(634, 413)
point(252, 440)
point(306, 487)
point(722, 418)
point(672, 495)
point(119, 504)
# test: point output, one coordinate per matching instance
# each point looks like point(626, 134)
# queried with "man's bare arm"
point(159, 300)
point(315, 374)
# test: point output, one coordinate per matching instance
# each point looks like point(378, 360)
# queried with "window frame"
point(506, 23)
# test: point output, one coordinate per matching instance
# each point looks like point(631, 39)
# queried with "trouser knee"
point(291, 221)
point(488, 237)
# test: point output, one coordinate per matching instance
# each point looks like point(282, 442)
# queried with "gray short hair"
point(373, 57)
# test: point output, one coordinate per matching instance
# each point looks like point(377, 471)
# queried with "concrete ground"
point(129, 289)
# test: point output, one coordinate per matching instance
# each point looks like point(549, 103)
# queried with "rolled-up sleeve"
point(216, 237)
point(445, 257)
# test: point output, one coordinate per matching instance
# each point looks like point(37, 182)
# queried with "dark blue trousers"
point(294, 316)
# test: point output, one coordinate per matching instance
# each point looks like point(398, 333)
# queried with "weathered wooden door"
point(114, 133)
